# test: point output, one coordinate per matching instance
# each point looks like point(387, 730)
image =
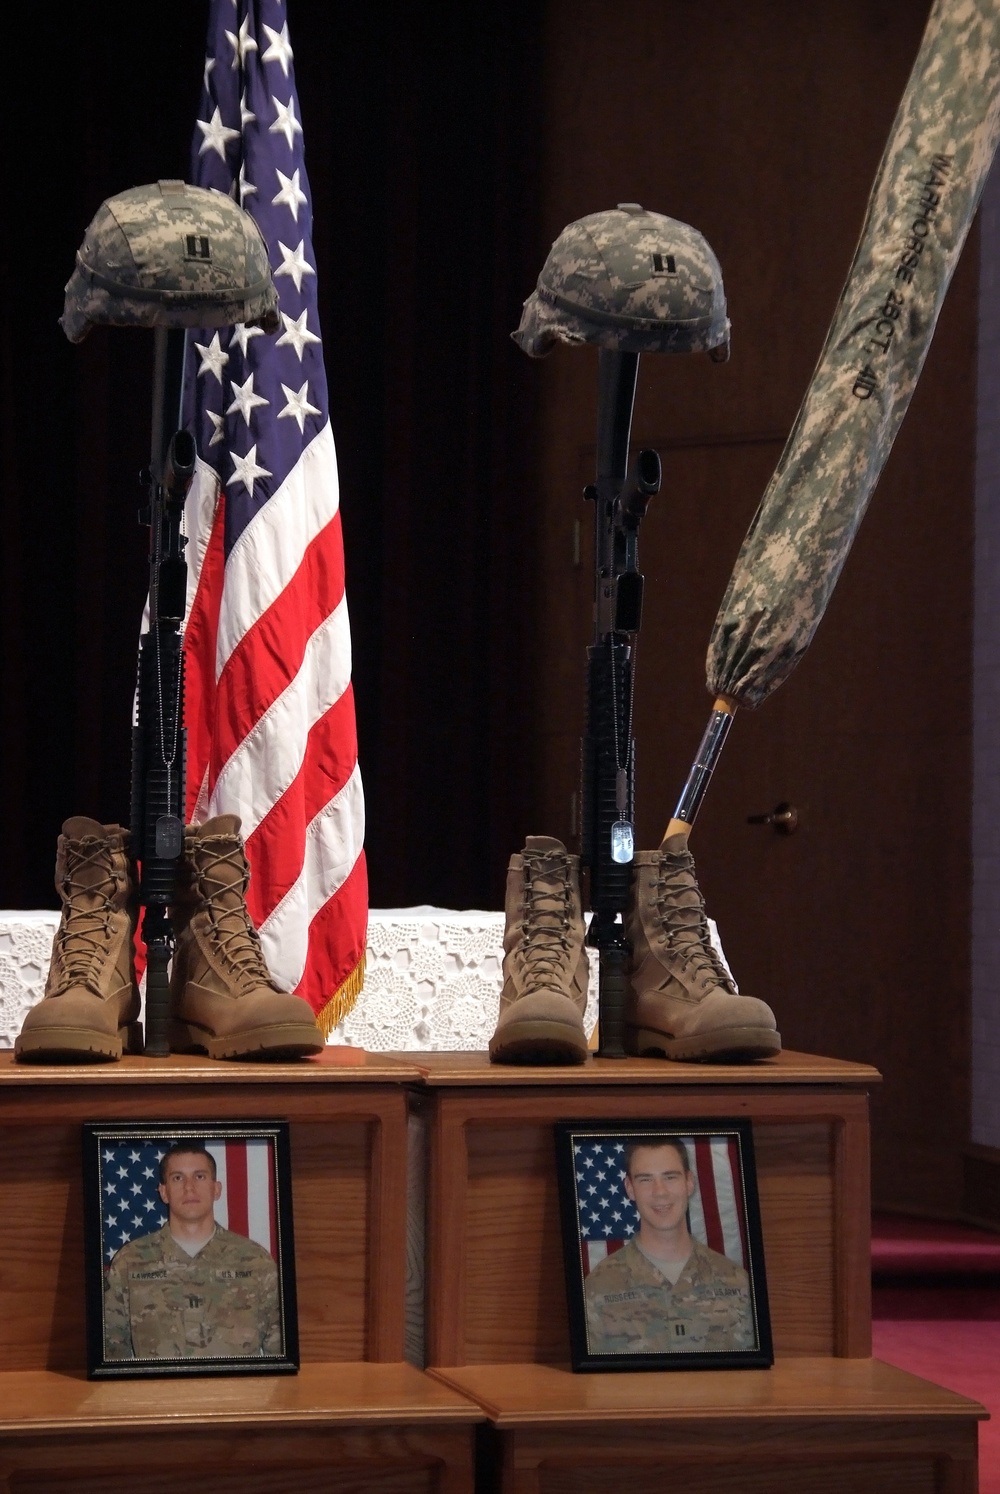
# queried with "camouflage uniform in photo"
point(633, 1309)
point(170, 255)
point(161, 1303)
point(630, 280)
point(921, 207)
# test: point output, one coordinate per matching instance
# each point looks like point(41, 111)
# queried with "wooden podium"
point(356, 1418)
point(499, 1409)
point(825, 1418)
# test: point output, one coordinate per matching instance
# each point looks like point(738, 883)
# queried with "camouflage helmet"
point(170, 255)
point(632, 280)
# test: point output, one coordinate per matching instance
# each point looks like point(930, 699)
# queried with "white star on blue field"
point(606, 1211)
point(130, 1201)
point(255, 403)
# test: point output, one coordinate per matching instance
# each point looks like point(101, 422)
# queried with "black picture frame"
point(149, 1311)
point(626, 1318)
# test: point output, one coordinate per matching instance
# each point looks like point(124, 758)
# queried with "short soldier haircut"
point(183, 1149)
point(634, 1142)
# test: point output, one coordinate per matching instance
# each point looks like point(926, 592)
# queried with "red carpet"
point(903, 1246)
point(936, 1310)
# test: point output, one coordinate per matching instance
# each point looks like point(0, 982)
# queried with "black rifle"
point(620, 495)
point(158, 738)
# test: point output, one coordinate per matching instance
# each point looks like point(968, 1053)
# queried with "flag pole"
point(698, 779)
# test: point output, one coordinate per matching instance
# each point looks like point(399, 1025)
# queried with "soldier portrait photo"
point(664, 1258)
point(192, 1272)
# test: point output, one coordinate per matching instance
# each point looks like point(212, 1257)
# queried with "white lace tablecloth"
point(25, 949)
point(432, 980)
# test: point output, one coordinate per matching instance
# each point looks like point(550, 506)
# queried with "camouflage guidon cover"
point(922, 204)
point(170, 255)
point(631, 280)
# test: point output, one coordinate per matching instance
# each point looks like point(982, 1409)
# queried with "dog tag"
point(169, 837)
point(622, 842)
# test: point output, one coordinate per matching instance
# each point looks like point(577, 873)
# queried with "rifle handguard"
point(157, 1007)
point(614, 985)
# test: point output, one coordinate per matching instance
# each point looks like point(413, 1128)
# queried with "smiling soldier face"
point(659, 1186)
point(191, 1189)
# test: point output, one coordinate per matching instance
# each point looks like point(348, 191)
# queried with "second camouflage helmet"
point(632, 280)
point(170, 255)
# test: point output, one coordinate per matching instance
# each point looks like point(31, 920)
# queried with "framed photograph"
point(664, 1256)
point(189, 1255)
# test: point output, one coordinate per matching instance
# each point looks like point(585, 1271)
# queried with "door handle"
point(783, 819)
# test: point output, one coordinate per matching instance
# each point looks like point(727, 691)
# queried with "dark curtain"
point(420, 126)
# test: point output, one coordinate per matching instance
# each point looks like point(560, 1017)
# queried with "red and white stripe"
point(270, 716)
point(716, 1208)
point(247, 1204)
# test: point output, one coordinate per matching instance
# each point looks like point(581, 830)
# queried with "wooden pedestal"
point(495, 1270)
point(352, 1427)
point(825, 1418)
point(807, 1426)
point(355, 1416)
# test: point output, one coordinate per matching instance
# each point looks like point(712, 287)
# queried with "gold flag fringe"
point(343, 999)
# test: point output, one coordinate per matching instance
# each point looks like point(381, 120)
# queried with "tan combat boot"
point(682, 1002)
point(222, 997)
point(90, 1010)
point(545, 965)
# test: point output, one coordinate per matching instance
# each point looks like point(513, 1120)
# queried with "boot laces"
point(88, 908)
point(235, 936)
point(546, 913)
point(680, 911)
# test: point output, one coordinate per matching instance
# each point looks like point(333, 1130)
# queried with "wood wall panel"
point(41, 1285)
point(403, 1459)
point(513, 1237)
point(348, 1159)
point(513, 1240)
point(332, 1195)
point(352, 1478)
point(41, 1202)
point(797, 1221)
point(910, 1477)
point(496, 1283)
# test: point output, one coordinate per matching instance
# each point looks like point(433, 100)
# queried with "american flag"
point(608, 1218)
point(131, 1205)
point(268, 698)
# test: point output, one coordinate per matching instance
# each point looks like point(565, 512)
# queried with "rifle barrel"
point(616, 378)
point(641, 484)
point(179, 464)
